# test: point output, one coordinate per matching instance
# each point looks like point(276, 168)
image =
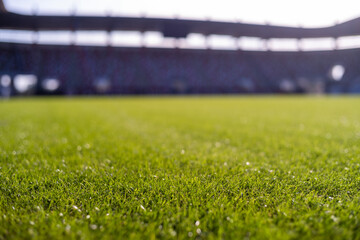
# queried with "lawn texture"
point(180, 168)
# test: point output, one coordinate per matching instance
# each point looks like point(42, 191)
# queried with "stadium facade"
point(74, 69)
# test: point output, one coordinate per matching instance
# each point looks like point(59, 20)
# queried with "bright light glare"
point(5, 81)
point(24, 82)
point(337, 72)
point(50, 84)
point(102, 84)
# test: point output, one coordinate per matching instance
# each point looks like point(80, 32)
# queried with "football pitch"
point(180, 168)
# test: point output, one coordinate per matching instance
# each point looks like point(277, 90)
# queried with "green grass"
point(186, 168)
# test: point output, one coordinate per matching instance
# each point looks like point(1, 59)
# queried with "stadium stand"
point(165, 71)
point(122, 70)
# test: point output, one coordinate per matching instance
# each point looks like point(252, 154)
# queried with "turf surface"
point(186, 167)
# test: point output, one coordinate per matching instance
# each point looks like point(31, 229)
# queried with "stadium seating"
point(81, 70)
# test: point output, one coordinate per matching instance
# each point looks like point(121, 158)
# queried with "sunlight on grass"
point(180, 167)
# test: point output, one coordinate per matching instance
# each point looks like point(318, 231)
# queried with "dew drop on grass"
point(172, 232)
point(229, 219)
point(76, 208)
point(335, 219)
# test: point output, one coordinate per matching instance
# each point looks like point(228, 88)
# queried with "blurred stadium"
point(179, 167)
point(35, 68)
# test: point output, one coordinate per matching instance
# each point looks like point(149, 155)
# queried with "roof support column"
point(299, 44)
point(143, 39)
point(207, 42)
point(236, 43)
point(35, 37)
point(109, 38)
point(336, 43)
point(73, 37)
point(265, 44)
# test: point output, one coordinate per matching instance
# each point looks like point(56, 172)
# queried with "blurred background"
point(87, 47)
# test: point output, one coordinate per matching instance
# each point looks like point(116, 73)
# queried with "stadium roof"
point(178, 28)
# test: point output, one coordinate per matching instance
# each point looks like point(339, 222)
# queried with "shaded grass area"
point(180, 167)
